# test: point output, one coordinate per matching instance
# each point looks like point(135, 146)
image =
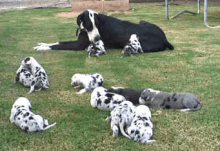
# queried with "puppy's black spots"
point(146, 124)
point(26, 59)
point(33, 83)
point(25, 121)
point(173, 95)
point(99, 102)
point(31, 118)
point(26, 114)
point(175, 99)
point(137, 132)
point(26, 129)
point(167, 107)
point(107, 101)
point(132, 131)
point(109, 95)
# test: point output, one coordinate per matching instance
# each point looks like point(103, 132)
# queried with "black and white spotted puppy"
point(22, 116)
point(86, 81)
point(133, 47)
point(121, 117)
point(38, 72)
point(24, 76)
point(159, 99)
point(141, 128)
point(104, 100)
point(132, 95)
point(97, 48)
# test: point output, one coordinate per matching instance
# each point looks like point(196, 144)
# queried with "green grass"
point(193, 66)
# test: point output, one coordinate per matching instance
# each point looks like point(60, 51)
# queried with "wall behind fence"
point(21, 4)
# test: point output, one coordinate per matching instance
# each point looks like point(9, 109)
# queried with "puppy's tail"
point(49, 126)
point(193, 109)
point(121, 126)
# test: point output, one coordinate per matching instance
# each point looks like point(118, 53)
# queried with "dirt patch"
point(74, 14)
point(68, 14)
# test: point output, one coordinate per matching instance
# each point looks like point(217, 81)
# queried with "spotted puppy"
point(133, 46)
point(38, 72)
point(86, 81)
point(132, 95)
point(22, 116)
point(104, 100)
point(121, 117)
point(159, 99)
point(24, 76)
point(141, 128)
point(97, 48)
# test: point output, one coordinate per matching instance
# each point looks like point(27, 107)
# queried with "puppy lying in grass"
point(159, 99)
point(104, 100)
point(86, 81)
point(22, 116)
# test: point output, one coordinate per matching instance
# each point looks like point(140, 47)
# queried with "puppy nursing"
point(133, 47)
point(159, 99)
point(104, 100)
point(129, 94)
point(97, 48)
point(133, 122)
point(32, 74)
point(86, 81)
point(22, 116)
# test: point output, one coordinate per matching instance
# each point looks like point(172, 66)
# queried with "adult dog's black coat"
point(131, 95)
point(115, 33)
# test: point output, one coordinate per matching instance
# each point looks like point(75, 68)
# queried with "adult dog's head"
point(88, 20)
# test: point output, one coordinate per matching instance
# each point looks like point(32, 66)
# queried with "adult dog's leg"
point(80, 44)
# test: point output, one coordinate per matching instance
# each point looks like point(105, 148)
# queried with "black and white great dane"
point(113, 32)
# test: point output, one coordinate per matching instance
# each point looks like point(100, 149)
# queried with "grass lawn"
point(194, 66)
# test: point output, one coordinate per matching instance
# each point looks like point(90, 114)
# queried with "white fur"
point(120, 117)
point(96, 48)
point(86, 81)
point(44, 46)
point(38, 72)
point(95, 32)
point(22, 116)
point(105, 101)
point(141, 127)
point(24, 76)
point(133, 46)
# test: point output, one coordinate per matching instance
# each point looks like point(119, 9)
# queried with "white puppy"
point(133, 46)
point(86, 81)
point(22, 116)
point(141, 128)
point(40, 76)
point(121, 117)
point(96, 48)
point(104, 100)
point(24, 76)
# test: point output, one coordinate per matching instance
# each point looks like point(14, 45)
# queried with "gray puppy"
point(158, 99)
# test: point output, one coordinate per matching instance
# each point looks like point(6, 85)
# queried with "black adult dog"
point(113, 32)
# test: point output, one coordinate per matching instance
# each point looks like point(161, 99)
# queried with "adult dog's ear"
point(79, 19)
